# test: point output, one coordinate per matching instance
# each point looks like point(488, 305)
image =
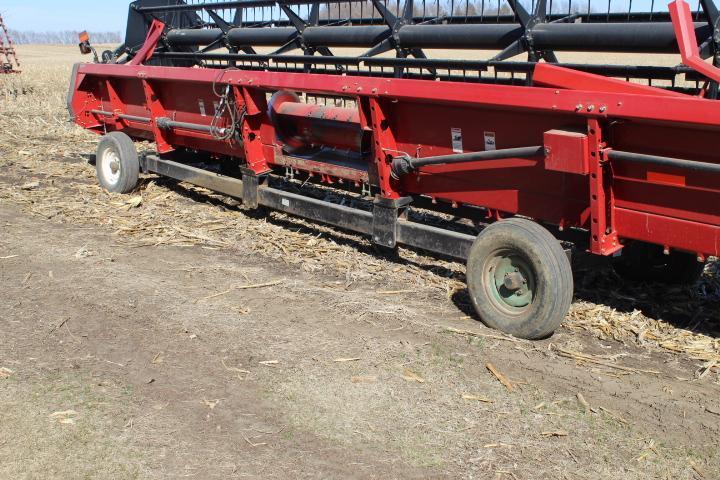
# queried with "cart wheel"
point(520, 279)
point(646, 262)
point(117, 163)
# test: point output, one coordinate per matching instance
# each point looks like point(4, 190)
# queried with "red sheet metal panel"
point(695, 237)
point(420, 118)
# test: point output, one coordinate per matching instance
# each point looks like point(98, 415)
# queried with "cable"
point(227, 104)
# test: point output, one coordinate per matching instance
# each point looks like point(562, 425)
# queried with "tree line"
point(68, 37)
point(488, 8)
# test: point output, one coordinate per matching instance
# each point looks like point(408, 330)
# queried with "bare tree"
point(67, 37)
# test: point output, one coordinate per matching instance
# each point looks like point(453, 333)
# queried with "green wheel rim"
point(510, 281)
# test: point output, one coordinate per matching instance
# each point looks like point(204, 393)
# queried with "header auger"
point(545, 153)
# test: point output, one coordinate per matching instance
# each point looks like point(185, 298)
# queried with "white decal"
point(490, 141)
point(456, 136)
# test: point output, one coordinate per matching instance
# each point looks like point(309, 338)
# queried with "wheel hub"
point(511, 282)
point(514, 281)
point(110, 163)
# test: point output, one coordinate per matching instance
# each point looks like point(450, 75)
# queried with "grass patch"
point(63, 425)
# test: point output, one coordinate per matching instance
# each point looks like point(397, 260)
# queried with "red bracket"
point(116, 104)
point(384, 143)
point(151, 41)
point(603, 235)
point(687, 42)
point(566, 78)
point(252, 128)
point(156, 111)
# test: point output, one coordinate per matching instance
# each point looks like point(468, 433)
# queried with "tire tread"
point(551, 257)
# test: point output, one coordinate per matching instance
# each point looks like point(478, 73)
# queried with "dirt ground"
point(170, 334)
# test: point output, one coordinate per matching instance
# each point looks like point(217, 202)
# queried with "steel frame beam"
point(654, 106)
point(385, 225)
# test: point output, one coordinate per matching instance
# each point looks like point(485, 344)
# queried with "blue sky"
point(111, 15)
point(52, 15)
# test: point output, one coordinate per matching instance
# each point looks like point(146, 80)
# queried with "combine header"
point(8, 58)
point(479, 110)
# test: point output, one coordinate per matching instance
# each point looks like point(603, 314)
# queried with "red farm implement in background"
point(615, 159)
point(8, 58)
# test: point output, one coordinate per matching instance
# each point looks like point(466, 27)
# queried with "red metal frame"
point(613, 201)
point(154, 35)
point(685, 33)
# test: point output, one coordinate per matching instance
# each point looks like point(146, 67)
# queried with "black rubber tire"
point(549, 266)
point(122, 150)
point(645, 262)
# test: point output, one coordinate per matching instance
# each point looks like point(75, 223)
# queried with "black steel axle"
point(404, 165)
point(679, 163)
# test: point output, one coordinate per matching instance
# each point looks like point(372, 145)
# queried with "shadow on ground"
point(694, 308)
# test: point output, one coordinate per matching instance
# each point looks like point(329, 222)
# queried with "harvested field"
point(169, 333)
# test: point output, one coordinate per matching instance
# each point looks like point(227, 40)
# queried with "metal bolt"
point(579, 106)
point(602, 109)
point(590, 108)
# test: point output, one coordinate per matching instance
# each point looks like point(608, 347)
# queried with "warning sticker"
point(201, 105)
point(489, 141)
point(457, 143)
